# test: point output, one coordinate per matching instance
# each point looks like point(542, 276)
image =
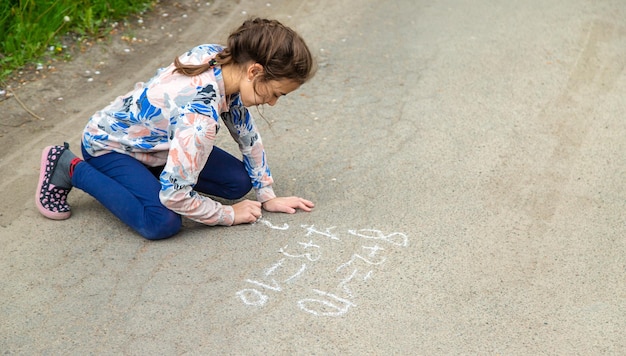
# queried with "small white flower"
point(66, 19)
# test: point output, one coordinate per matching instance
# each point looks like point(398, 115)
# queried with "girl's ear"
point(254, 70)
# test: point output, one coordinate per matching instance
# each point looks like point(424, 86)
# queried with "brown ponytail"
point(191, 70)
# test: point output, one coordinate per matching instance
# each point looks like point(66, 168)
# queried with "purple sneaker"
point(51, 200)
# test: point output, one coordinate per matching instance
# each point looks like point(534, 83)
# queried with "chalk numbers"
point(296, 259)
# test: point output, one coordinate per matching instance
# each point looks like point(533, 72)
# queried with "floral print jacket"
point(172, 120)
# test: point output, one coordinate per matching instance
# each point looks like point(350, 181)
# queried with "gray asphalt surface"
point(467, 163)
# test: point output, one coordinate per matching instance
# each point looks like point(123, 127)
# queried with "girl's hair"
point(280, 50)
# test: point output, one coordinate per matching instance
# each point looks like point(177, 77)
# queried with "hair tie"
point(212, 62)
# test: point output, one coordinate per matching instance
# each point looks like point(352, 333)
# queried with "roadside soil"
point(36, 101)
point(52, 105)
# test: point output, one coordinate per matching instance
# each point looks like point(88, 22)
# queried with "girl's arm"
point(191, 143)
point(243, 129)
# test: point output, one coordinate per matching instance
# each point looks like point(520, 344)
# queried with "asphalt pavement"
point(467, 163)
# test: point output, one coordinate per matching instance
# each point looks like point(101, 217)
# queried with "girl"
point(166, 128)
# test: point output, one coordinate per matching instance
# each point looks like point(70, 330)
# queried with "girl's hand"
point(287, 205)
point(246, 211)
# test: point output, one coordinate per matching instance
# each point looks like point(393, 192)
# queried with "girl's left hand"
point(287, 205)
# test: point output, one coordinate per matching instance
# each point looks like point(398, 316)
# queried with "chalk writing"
point(253, 297)
point(299, 257)
point(356, 257)
point(332, 306)
point(378, 235)
point(344, 283)
point(305, 255)
point(270, 225)
point(310, 229)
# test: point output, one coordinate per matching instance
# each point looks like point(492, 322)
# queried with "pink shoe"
point(50, 199)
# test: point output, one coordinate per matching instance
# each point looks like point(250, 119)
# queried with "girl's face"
point(267, 93)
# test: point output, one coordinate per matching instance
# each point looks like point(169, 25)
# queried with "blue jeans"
point(130, 190)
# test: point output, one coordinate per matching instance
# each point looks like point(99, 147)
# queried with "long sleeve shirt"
point(172, 121)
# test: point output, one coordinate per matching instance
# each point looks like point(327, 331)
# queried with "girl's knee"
point(241, 185)
point(163, 228)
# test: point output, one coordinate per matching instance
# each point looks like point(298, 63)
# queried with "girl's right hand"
point(246, 211)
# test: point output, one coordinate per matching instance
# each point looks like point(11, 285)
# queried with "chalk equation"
point(300, 257)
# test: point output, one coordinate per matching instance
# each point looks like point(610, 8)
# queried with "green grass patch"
point(30, 28)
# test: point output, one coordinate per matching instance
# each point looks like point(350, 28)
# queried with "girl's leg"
point(224, 176)
point(129, 190)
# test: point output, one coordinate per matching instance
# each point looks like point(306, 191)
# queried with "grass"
point(31, 29)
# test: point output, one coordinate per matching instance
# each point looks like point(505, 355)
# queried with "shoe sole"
point(42, 174)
